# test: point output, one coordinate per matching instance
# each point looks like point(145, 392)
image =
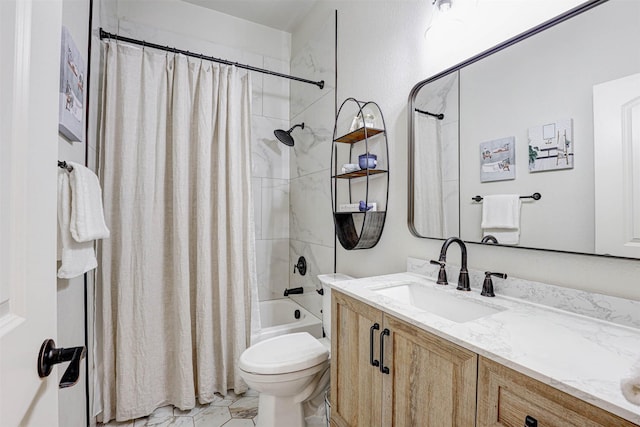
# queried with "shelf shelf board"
point(359, 212)
point(360, 173)
point(359, 135)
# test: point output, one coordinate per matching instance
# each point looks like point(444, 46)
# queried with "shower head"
point(285, 137)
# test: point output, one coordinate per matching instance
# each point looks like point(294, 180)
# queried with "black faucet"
point(463, 278)
point(487, 286)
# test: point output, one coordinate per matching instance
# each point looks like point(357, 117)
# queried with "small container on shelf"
point(358, 121)
point(368, 161)
point(350, 167)
point(364, 206)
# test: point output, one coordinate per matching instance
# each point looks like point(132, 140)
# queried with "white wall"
point(71, 327)
point(382, 53)
point(205, 24)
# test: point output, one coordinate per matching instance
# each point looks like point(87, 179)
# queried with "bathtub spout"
point(293, 291)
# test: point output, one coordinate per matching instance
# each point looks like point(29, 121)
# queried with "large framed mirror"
point(554, 111)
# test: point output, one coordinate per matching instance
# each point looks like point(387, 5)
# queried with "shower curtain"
point(428, 192)
point(177, 283)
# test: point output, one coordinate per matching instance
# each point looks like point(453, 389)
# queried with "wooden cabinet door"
point(507, 397)
point(432, 382)
point(356, 385)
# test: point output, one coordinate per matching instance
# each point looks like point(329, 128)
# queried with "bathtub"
point(278, 318)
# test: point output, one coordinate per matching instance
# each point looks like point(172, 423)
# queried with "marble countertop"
point(580, 355)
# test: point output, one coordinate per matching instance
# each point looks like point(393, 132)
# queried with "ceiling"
point(279, 14)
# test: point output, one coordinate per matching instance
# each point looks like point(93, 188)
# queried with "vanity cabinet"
point(428, 381)
point(356, 385)
point(507, 397)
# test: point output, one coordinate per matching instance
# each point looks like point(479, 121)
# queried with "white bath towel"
point(630, 385)
point(77, 258)
point(501, 217)
point(87, 214)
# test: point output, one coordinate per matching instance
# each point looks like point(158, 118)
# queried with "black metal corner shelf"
point(359, 230)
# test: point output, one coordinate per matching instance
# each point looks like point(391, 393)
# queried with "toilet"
point(290, 369)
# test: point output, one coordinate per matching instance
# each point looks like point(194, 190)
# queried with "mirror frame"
point(411, 122)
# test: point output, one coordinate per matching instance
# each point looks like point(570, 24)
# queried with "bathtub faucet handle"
point(301, 266)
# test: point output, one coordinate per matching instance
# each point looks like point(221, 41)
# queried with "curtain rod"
point(437, 116)
point(107, 35)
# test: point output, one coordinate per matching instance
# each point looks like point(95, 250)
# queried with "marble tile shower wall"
point(270, 173)
point(270, 159)
point(311, 221)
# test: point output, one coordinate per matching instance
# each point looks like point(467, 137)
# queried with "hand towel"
point(630, 385)
point(77, 258)
point(87, 214)
point(501, 217)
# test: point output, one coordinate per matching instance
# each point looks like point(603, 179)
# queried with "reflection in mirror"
point(521, 120)
point(435, 115)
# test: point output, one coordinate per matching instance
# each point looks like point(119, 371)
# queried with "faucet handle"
point(442, 274)
point(487, 286)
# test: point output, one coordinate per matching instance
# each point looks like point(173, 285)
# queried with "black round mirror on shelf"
point(359, 174)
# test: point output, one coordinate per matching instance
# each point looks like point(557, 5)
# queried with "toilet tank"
point(325, 279)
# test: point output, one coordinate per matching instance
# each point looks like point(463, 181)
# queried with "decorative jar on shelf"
point(368, 161)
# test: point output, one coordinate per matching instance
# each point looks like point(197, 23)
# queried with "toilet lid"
point(282, 354)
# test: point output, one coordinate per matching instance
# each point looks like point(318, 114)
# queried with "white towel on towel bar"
point(77, 258)
point(501, 217)
point(87, 214)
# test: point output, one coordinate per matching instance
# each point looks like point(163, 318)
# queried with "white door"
point(616, 114)
point(29, 69)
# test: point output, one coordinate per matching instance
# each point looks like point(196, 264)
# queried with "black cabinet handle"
point(373, 362)
point(383, 369)
point(529, 421)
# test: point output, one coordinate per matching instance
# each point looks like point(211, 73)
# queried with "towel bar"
point(64, 165)
point(534, 196)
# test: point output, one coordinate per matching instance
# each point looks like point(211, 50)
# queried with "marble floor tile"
point(191, 412)
point(166, 422)
point(159, 417)
point(238, 422)
point(214, 416)
point(129, 423)
point(228, 411)
point(245, 407)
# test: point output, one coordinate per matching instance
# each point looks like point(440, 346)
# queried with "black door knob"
point(49, 355)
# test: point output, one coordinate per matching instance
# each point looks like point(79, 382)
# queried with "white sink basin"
point(442, 303)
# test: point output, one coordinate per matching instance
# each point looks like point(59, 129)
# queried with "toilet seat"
point(284, 354)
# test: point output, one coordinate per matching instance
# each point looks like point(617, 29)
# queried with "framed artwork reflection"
point(72, 90)
point(498, 159)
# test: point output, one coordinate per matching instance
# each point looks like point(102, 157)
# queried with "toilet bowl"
point(289, 369)
point(285, 370)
